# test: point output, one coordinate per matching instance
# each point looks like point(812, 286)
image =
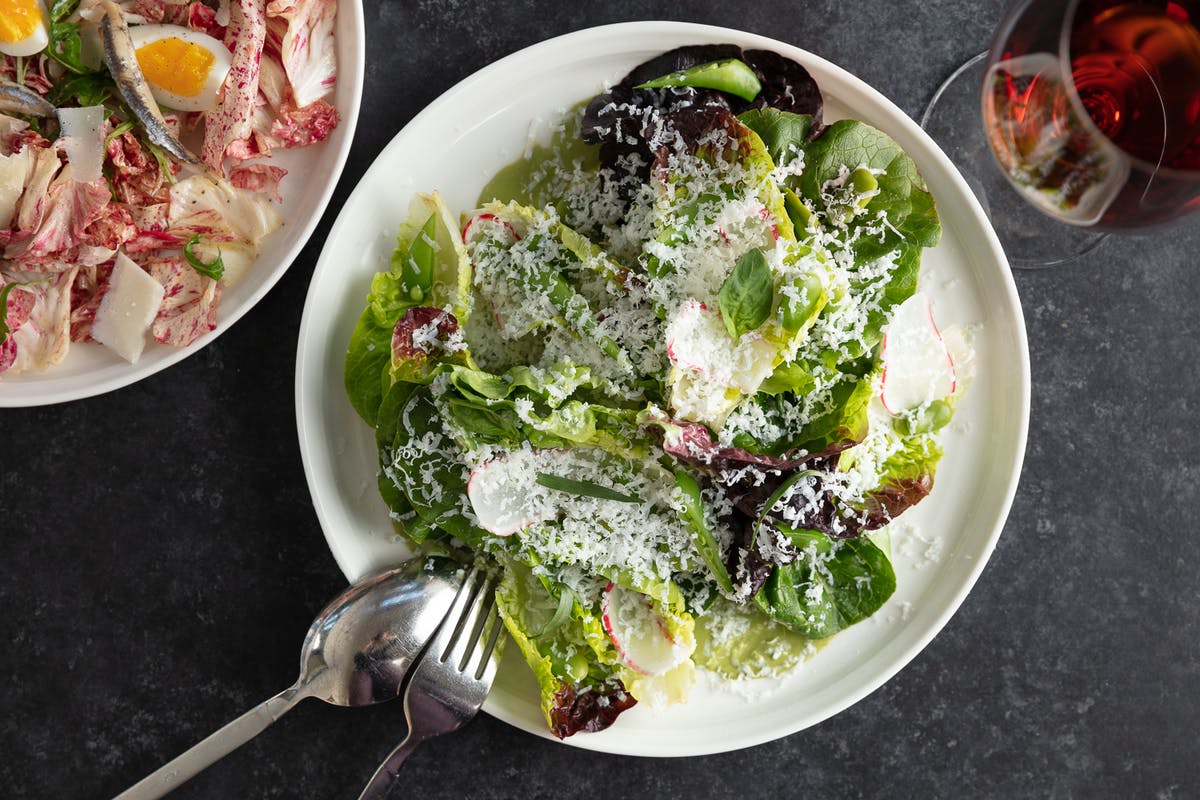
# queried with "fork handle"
point(215, 747)
point(385, 777)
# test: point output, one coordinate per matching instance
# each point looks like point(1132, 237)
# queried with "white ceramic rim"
point(662, 35)
point(48, 388)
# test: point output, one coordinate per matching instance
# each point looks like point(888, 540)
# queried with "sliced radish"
point(501, 493)
point(488, 216)
point(696, 336)
point(917, 367)
point(711, 368)
point(753, 362)
point(766, 217)
point(641, 637)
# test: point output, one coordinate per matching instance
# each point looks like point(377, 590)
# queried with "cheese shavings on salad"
point(673, 376)
point(143, 130)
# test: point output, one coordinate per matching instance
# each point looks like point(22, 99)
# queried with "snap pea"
point(730, 75)
point(417, 278)
point(706, 542)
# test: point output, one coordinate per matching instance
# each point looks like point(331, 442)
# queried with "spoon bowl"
point(356, 653)
point(360, 647)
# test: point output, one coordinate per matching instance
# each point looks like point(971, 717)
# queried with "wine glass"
point(1091, 123)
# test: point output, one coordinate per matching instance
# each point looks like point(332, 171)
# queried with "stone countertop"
point(162, 558)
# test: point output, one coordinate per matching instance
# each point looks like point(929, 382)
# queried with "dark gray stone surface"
point(162, 560)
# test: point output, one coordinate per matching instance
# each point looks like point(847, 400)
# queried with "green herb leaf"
point(746, 295)
point(66, 47)
point(214, 269)
point(61, 9)
point(4, 293)
point(94, 89)
point(566, 604)
point(584, 488)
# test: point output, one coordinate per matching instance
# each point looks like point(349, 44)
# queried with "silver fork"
point(452, 678)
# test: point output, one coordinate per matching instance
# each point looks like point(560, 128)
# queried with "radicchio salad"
point(136, 180)
point(673, 376)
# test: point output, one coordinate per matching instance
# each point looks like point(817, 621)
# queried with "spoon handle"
point(215, 747)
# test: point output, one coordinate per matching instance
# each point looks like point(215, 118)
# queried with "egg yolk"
point(18, 20)
point(176, 66)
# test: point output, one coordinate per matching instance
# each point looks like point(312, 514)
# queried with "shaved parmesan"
point(82, 140)
point(127, 309)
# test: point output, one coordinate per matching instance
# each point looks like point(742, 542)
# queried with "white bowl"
point(454, 146)
point(90, 369)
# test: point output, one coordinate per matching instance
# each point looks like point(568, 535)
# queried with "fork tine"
point(474, 619)
point(486, 671)
point(456, 617)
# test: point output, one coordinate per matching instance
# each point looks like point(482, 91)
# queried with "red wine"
point(1113, 140)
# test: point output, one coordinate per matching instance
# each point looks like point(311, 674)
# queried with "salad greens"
point(643, 378)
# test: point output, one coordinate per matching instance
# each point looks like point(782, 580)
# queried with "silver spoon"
point(356, 654)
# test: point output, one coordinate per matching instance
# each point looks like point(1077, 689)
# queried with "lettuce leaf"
point(431, 231)
point(740, 641)
point(832, 585)
point(579, 691)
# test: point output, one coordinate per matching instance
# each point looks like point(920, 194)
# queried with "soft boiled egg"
point(23, 28)
point(185, 68)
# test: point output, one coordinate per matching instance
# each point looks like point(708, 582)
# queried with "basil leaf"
point(584, 488)
point(746, 295)
point(215, 269)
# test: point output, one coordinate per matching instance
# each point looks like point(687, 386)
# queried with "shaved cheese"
point(127, 309)
point(15, 170)
point(82, 140)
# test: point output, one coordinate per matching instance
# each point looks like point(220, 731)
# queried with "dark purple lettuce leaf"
point(786, 85)
point(893, 497)
point(591, 711)
point(678, 60)
point(692, 443)
point(624, 119)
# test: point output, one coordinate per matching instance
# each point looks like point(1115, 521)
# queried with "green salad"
point(673, 376)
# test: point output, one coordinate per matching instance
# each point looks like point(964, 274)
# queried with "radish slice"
point(695, 336)
point(502, 497)
point(640, 635)
point(711, 369)
point(917, 367)
point(487, 216)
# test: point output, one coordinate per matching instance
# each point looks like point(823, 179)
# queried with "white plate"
point(454, 145)
point(91, 369)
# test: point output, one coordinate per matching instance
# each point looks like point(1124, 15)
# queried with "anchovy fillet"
point(17, 99)
point(121, 59)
